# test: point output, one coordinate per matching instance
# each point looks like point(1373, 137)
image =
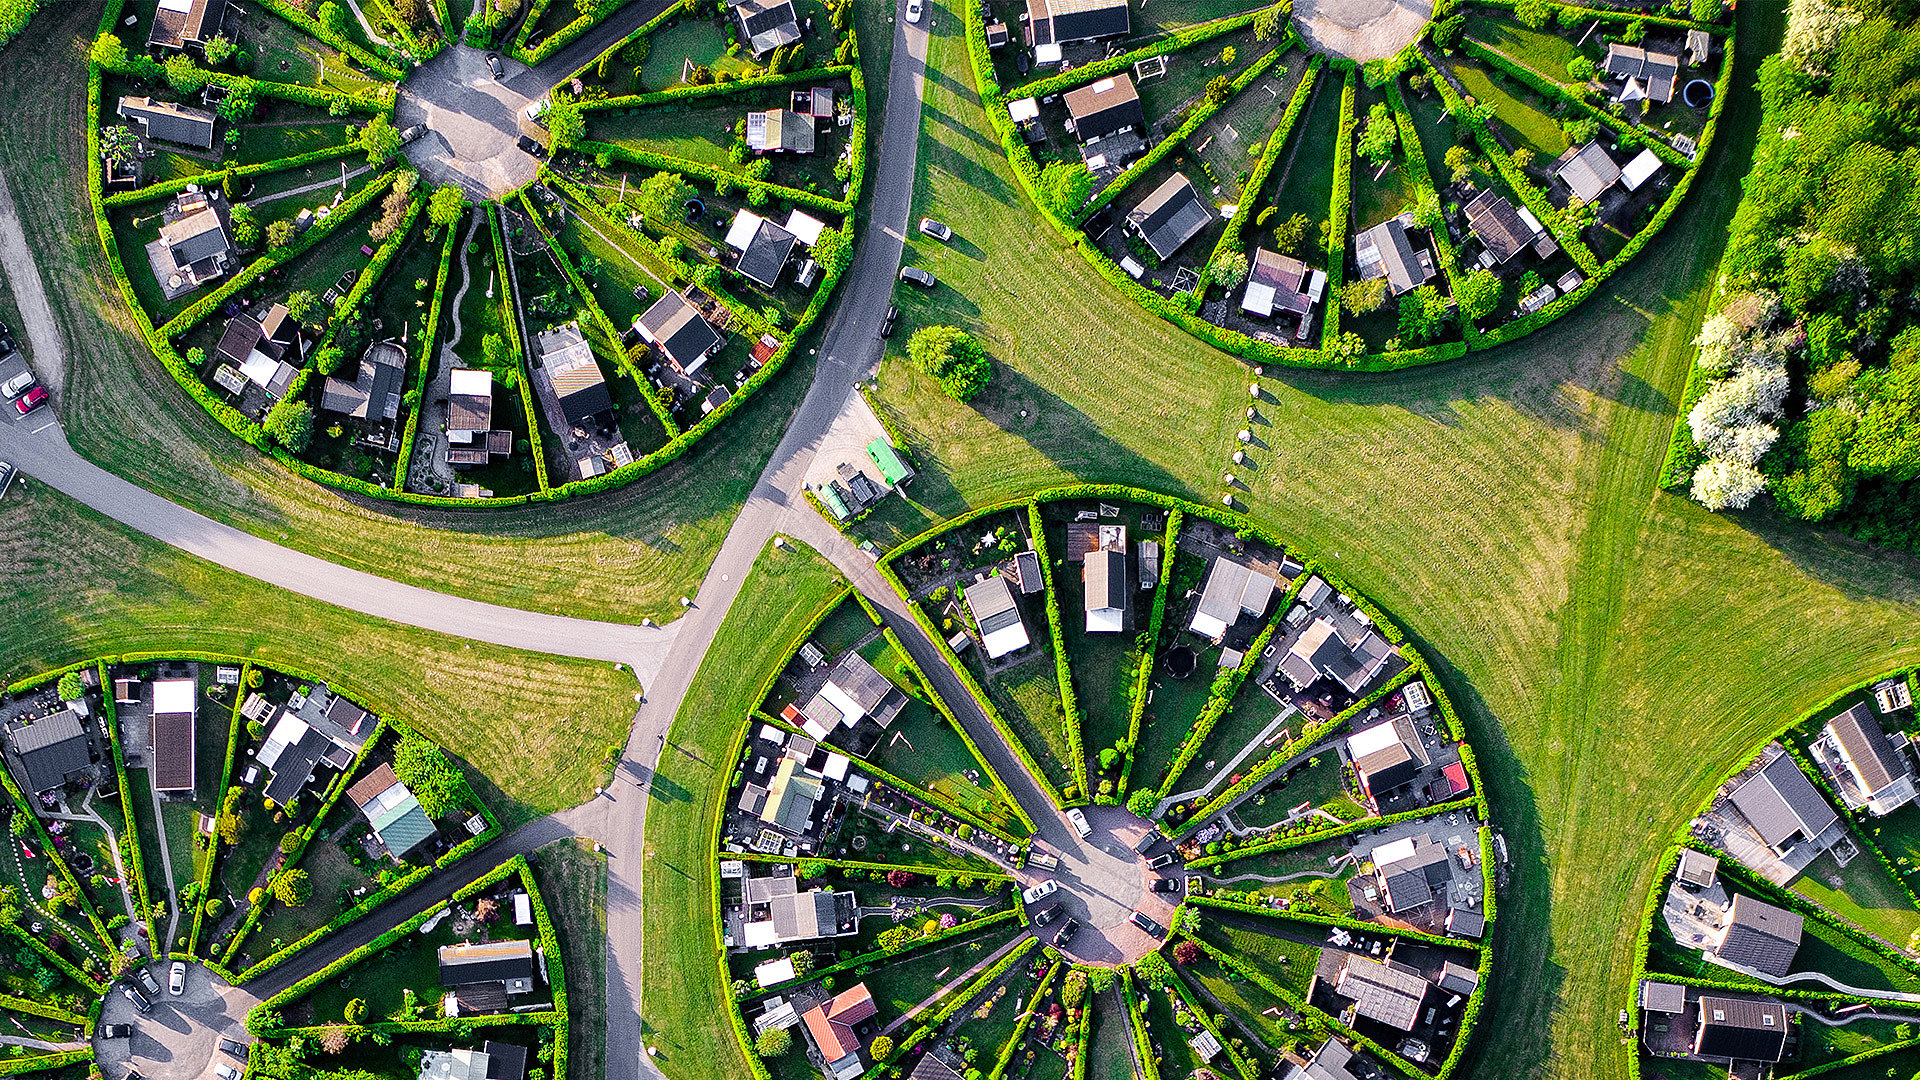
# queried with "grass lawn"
point(1820, 1044)
point(1302, 179)
point(701, 41)
point(685, 1007)
point(1244, 999)
point(1288, 963)
point(573, 881)
point(1515, 106)
point(899, 987)
point(1898, 1063)
point(1316, 785)
point(1867, 896)
point(1177, 1057)
point(1028, 697)
point(1544, 50)
point(1826, 949)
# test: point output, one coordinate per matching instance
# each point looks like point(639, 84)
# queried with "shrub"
point(1363, 296)
point(1478, 293)
point(70, 688)
point(434, 781)
point(773, 1042)
point(952, 356)
point(292, 887)
point(881, 1048)
point(290, 423)
point(183, 76)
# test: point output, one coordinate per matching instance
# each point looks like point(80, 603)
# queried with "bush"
point(773, 1042)
point(290, 422)
point(952, 356)
point(70, 687)
point(292, 887)
point(434, 781)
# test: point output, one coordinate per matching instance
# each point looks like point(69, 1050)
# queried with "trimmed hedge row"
point(1247, 1069)
point(712, 174)
point(1062, 670)
point(377, 100)
point(45, 1062)
point(562, 37)
point(66, 966)
point(1618, 16)
point(1334, 920)
point(422, 361)
point(1142, 1043)
point(1177, 41)
point(1231, 239)
point(1339, 210)
point(34, 1008)
point(1012, 1045)
point(376, 267)
point(687, 92)
point(241, 172)
point(1857, 1059)
point(1220, 697)
point(931, 1025)
point(1572, 96)
point(1202, 112)
point(1137, 692)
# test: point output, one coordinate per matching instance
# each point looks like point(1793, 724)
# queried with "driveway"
point(473, 122)
point(179, 1039)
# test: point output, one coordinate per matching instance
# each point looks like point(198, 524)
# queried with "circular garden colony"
point(433, 256)
point(206, 874)
point(1783, 932)
point(1283, 857)
point(1452, 186)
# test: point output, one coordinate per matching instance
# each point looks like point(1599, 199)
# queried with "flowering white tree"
point(1813, 32)
point(1721, 484)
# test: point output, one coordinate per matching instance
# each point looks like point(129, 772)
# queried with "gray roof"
point(1391, 766)
point(1169, 217)
point(1057, 22)
point(1760, 936)
point(1742, 1029)
point(1320, 650)
point(295, 767)
point(1875, 762)
point(1458, 978)
point(374, 394)
point(1330, 1062)
point(1409, 882)
point(781, 129)
point(1285, 275)
point(679, 331)
point(51, 749)
point(876, 694)
point(1105, 106)
point(769, 23)
point(573, 374)
point(1654, 70)
point(1588, 171)
point(802, 915)
point(764, 888)
point(1780, 803)
point(193, 229)
point(1389, 992)
point(1386, 251)
point(1696, 868)
point(991, 602)
point(1105, 577)
point(1026, 567)
point(169, 121)
point(1663, 997)
point(1498, 225)
point(1233, 588)
point(177, 23)
point(766, 254)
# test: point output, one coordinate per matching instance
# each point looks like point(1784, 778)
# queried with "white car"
point(226, 1072)
point(913, 10)
point(17, 385)
point(177, 978)
point(1079, 821)
point(1040, 892)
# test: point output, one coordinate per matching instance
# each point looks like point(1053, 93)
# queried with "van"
point(18, 384)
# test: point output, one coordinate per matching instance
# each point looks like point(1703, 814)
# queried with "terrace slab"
point(1361, 29)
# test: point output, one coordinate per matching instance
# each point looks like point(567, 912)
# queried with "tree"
point(802, 962)
point(1289, 234)
point(1706, 10)
point(1423, 313)
point(565, 122)
point(183, 75)
point(1363, 296)
point(773, 1042)
point(108, 51)
point(119, 145)
point(1459, 163)
point(663, 196)
point(1426, 210)
point(332, 17)
point(1266, 25)
point(1154, 969)
point(1187, 953)
point(1580, 69)
point(1478, 293)
point(290, 841)
point(1446, 32)
point(393, 206)
point(218, 49)
point(290, 423)
point(378, 138)
point(1522, 157)
point(1534, 13)
point(292, 887)
point(1474, 114)
point(1229, 270)
point(70, 687)
point(1720, 484)
point(1379, 136)
point(1064, 187)
point(446, 205)
point(952, 356)
point(1219, 89)
point(881, 1048)
point(300, 304)
point(900, 879)
point(1349, 346)
point(429, 775)
point(239, 103)
point(834, 252)
point(280, 234)
point(1142, 801)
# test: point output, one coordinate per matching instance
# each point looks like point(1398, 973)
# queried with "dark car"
point(494, 65)
point(139, 999)
point(34, 398)
point(1146, 843)
point(116, 1031)
point(412, 133)
point(1165, 884)
point(533, 148)
point(234, 1047)
point(1067, 930)
point(886, 328)
point(147, 980)
point(917, 276)
point(1147, 924)
point(1051, 912)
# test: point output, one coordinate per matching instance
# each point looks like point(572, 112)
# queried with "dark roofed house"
point(767, 24)
point(170, 736)
point(1874, 771)
point(1409, 869)
point(854, 691)
point(1503, 228)
point(1105, 107)
point(1388, 992)
point(374, 394)
point(675, 326)
point(1277, 282)
point(1782, 805)
point(1740, 1029)
point(169, 121)
point(764, 247)
point(573, 376)
point(195, 243)
point(505, 1061)
point(180, 23)
point(506, 964)
point(1758, 935)
point(1387, 251)
point(1647, 74)
point(266, 350)
point(1386, 756)
point(1333, 1061)
point(1061, 22)
point(1169, 217)
point(1321, 650)
point(780, 131)
point(52, 750)
point(1105, 578)
point(1588, 172)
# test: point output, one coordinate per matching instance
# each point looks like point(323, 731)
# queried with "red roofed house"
point(831, 1026)
point(1456, 776)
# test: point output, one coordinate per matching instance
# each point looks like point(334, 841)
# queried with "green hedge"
point(205, 880)
point(688, 92)
point(62, 963)
point(1351, 828)
point(174, 187)
point(1618, 17)
point(1184, 38)
point(22, 805)
point(45, 1062)
point(1004, 1057)
point(129, 836)
point(1860, 1058)
point(1142, 1043)
point(1247, 1069)
point(34, 1008)
point(646, 29)
point(1332, 921)
point(712, 174)
point(1137, 690)
point(1571, 95)
point(856, 864)
point(1225, 687)
point(930, 1026)
point(1231, 239)
point(1062, 670)
point(311, 25)
point(562, 37)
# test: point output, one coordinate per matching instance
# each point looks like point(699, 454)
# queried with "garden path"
point(951, 985)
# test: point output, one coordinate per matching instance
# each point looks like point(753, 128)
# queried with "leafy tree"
point(379, 138)
point(1580, 69)
point(1478, 293)
point(1142, 801)
point(183, 75)
point(1446, 32)
point(1229, 270)
point(565, 122)
point(355, 1011)
point(1349, 346)
point(108, 50)
point(119, 145)
point(292, 887)
point(70, 688)
point(1426, 210)
point(900, 879)
point(261, 1020)
point(834, 252)
point(1720, 484)
point(1291, 233)
point(1423, 314)
point(802, 962)
point(1064, 187)
point(1473, 114)
point(1219, 89)
point(662, 196)
point(1154, 970)
point(290, 423)
point(1459, 161)
point(1522, 157)
point(393, 206)
point(446, 205)
point(1187, 953)
point(1363, 296)
point(1379, 136)
point(1635, 32)
point(335, 1039)
point(332, 16)
point(1266, 25)
point(434, 781)
point(1109, 757)
point(300, 304)
point(239, 103)
point(1534, 13)
point(773, 1042)
point(952, 356)
point(880, 1048)
point(279, 234)
point(219, 49)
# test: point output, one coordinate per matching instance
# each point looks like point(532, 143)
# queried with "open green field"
point(686, 1004)
point(573, 881)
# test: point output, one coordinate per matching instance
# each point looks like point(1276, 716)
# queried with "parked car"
point(1042, 860)
point(886, 327)
point(147, 980)
point(116, 1031)
point(1051, 912)
point(913, 10)
point(1165, 884)
point(1079, 822)
point(1147, 924)
point(6, 478)
point(35, 398)
point(1146, 843)
point(494, 65)
point(235, 1047)
point(177, 978)
point(1039, 892)
point(18, 385)
point(140, 1000)
point(1067, 930)
point(226, 1072)
point(1162, 860)
point(917, 276)
point(530, 147)
point(938, 230)
point(412, 133)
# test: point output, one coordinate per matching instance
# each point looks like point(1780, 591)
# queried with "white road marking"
point(45, 426)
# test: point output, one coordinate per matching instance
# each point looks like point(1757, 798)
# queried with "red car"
point(32, 400)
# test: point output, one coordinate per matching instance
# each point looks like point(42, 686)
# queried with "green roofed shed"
point(888, 459)
point(834, 502)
